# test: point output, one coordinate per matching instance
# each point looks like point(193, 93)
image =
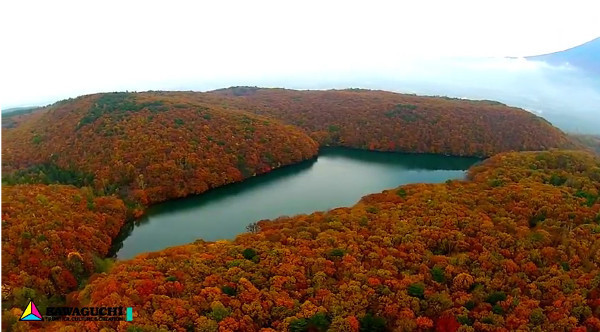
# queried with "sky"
point(52, 50)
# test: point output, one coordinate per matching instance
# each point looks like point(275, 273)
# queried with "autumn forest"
point(514, 246)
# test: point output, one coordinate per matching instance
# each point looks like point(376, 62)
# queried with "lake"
point(338, 177)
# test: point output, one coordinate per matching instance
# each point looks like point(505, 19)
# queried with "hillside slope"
point(515, 248)
point(12, 116)
point(400, 259)
point(53, 238)
point(379, 120)
point(147, 147)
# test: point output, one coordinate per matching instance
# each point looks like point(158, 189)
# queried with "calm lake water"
point(338, 177)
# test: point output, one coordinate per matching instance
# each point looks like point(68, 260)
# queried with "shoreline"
point(129, 225)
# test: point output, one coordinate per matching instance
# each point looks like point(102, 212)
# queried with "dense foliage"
point(148, 147)
point(514, 248)
point(53, 238)
point(379, 120)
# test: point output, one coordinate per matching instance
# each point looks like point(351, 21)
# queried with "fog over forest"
point(563, 94)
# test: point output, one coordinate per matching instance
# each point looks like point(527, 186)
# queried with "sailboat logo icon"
point(31, 313)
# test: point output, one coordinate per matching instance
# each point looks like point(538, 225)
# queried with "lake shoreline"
point(426, 162)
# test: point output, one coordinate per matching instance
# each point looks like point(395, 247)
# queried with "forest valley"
point(515, 246)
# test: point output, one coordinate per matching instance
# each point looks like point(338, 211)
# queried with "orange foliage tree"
point(516, 247)
point(53, 238)
point(148, 147)
point(386, 121)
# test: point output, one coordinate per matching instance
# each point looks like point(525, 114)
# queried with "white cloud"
point(58, 49)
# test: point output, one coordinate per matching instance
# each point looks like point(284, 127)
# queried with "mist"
point(564, 95)
point(434, 48)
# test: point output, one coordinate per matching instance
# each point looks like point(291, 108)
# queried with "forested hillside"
point(147, 147)
point(59, 164)
point(514, 248)
point(379, 120)
point(53, 238)
point(12, 117)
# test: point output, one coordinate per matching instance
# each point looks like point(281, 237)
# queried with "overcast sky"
point(57, 49)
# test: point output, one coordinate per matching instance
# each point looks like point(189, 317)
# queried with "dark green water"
point(339, 177)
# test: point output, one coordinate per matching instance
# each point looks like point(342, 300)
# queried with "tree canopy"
point(458, 255)
point(514, 247)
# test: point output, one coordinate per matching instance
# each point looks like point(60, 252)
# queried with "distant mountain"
point(590, 141)
point(18, 110)
point(11, 116)
point(585, 57)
